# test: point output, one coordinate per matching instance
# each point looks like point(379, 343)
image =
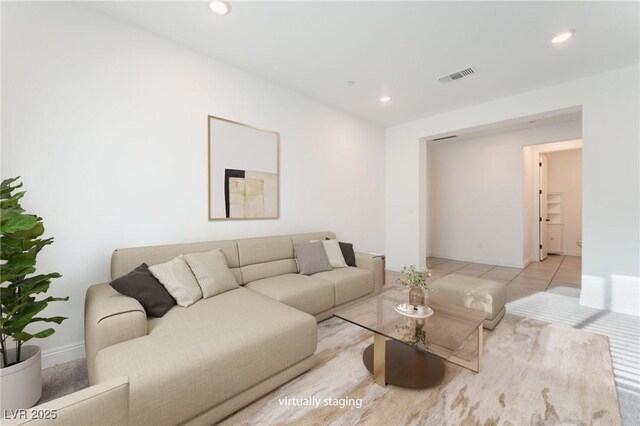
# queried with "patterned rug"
point(562, 305)
point(533, 373)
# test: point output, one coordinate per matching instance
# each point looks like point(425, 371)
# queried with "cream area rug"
point(533, 373)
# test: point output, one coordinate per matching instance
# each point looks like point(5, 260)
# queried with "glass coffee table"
point(409, 353)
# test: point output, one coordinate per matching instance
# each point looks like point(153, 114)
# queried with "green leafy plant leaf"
point(13, 222)
point(20, 244)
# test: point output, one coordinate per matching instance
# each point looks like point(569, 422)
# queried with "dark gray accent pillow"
point(311, 258)
point(347, 252)
point(146, 289)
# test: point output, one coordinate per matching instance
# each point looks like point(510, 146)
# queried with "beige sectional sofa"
point(196, 365)
point(105, 403)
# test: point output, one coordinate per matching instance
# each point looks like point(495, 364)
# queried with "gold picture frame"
point(243, 171)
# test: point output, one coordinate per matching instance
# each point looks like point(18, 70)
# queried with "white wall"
point(477, 194)
point(564, 174)
point(611, 180)
point(107, 125)
point(528, 212)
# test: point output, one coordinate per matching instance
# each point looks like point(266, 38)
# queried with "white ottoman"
point(470, 292)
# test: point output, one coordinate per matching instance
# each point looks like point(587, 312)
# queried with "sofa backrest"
point(311, 236)
point(249, 259)
point(266, 257)
point(126, 260)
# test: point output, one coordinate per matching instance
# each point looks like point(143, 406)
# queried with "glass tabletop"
point(442, 334)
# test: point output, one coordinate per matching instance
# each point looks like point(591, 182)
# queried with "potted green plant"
point(20, 243)
point(416, 280)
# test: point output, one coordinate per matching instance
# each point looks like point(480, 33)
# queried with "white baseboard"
point(617, 293)
point(393, 267)
point(486, 261)
point(572, 253)
point(62, 354)
point(527, 262)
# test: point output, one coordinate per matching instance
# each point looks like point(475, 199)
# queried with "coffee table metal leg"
point(379, 354)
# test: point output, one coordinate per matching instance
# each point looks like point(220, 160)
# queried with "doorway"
point(558, 203)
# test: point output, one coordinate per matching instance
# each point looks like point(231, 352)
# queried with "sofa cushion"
point(146, 289)
point(334, 253)
point(350, 283)
point(264, 249)
point(211, 271)
point(311, 258)
point(309, 294)
point(268, 269)
point(348, 253)
point(176, 276)
point(197, 357)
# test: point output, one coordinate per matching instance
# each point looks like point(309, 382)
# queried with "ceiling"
point(523, 123)
point(400, 48)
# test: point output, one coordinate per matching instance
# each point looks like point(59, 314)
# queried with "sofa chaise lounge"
point(197, 365)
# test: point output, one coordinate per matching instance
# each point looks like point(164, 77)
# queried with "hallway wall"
point(476, 193)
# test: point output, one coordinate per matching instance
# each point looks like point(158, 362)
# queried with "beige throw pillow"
point(176, 276)
point(332, 248)
point(211, 271)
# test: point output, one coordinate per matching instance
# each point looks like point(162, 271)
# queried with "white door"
point(542, 207)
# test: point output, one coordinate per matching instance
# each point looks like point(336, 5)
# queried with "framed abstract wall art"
point(244, 171)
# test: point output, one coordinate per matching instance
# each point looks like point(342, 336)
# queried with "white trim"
point(572, 253)
point(527, 262)
point(62, 354)
point(486, 261)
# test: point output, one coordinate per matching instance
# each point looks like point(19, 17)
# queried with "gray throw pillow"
point(311, 258)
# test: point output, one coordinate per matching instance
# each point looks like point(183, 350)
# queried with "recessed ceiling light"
point(385, 99)
point(220, 7)
point(562, 36)
point(351, 83)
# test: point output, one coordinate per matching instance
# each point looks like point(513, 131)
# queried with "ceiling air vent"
point(458, 75)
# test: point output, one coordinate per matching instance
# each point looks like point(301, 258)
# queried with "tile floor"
point(554, 271)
